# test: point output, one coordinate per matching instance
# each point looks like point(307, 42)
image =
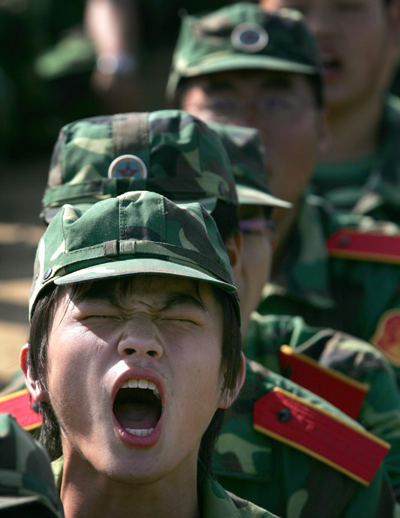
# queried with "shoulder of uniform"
point(20, 406)
point(318, 432)
point(378, 243)
point(338, 389)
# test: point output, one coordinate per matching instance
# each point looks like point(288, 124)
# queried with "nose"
point(140, 339)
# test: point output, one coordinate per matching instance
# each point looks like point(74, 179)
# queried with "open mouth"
point(137, 407)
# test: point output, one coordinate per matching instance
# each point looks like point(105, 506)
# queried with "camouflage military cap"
point(167, 151)
point(246, 153)
point(242, 36)
point(137, 232)
point(26, 478)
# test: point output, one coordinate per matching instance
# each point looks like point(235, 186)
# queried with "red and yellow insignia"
point(18, 404)
point(351, 243)
point(340, 390)
point(319, 433)
point(387, 336)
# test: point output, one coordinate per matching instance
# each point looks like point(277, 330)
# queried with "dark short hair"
point(41, 324)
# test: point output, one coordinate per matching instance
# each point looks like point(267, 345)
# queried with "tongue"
point(138, 416)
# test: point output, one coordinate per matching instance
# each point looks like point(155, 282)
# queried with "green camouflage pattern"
point(371, 185)
point(282, 479)
point(26, 480)
point(184, 159)
point(214, 501)
point(242, 36)
point(335, 292)
point(246, 154)
point(380, 411)
point(137, 232)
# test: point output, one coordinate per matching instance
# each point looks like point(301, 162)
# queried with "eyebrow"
point(183, 299)
point(173, 300)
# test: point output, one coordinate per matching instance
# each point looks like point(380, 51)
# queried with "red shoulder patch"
point(387, 336)
point(18, 404)
point(320, 434)
point(350, 243)
point(340, 390)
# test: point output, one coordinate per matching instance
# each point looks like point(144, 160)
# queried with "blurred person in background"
point(358, 43)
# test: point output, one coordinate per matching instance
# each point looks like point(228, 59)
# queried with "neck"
point(86, 493)
point(284, 220)
point(353, 130)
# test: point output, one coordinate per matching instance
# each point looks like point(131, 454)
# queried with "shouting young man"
point(134, 351)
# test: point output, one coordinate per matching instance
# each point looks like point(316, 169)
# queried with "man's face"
point(355, 40)
point(163, 335)
point(256, 259)
point(280, 105)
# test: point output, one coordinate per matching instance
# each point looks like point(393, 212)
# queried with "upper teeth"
point(142, 384)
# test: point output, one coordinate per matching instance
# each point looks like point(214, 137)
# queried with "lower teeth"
point(139, 433)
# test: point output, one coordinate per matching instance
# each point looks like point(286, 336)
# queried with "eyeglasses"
point(275, 107)
point(258, 226)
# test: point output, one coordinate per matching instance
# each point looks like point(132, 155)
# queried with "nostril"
point(129, 351)
point(152, 353)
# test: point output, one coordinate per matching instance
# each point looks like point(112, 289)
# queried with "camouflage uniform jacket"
point(370, 185)
point(380, 410)
point(281, 478)
point(323, 280)
point(214, 501)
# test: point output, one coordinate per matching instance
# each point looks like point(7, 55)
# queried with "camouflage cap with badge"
point(168, 151)
point(27, 486)
point(247, 156)
point(138, 232)
point(243, 36)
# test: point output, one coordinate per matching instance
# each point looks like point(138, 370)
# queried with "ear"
point(38, 392)
point(229, 396)
point(233, 247)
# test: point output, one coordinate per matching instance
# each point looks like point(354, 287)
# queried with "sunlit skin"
point(164, 328)
point(357, 41)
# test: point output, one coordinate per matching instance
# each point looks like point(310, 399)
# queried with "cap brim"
point(208, 203)
point(138, 266)
point(249, 196)
point(48, 214)
point(226, 62)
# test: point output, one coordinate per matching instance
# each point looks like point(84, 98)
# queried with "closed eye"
point(182, 319)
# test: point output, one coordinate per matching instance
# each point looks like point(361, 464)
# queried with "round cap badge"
point(249, 37)
point(127, 166)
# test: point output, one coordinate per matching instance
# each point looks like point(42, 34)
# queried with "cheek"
point(201, 384)
point(71, 366)
point(256, 260)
